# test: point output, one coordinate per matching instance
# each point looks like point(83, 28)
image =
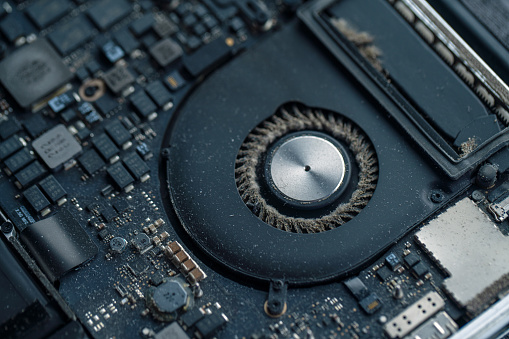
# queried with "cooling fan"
point(280, 167)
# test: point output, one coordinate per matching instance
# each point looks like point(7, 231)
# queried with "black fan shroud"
point(211, 126)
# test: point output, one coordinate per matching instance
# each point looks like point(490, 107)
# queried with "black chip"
point(420, 269)
point(56, 147)
point(118, 132)
point(93, 66)
point(156, 279)
point(138, 266)
point(189, 20)
point(106, 104)
point(61, 102)
point(412, 259)
point(68, 115)
point(108, 213)
point(237, 24)
point(193, 42)
point(45, 12)
point(36, 199)
point(166, 51)
point(371, 303)
point(120, 205)
point(210, 22)
point(118, 78)
point(120, 175)
point(112, 52)
point(35, 125)
point(144, 151)
point(357, 287)
point(149, 40)
point(209, 325)
point(58, 244)
point(141, 241)
point(105, 146)
point(207, 57)
point(392, 261)
point(136, 165)
point(199, 29)
point(71, 35)
point(91, 162)
point(191, 317)
point(107, 13)
point(14, 26)
point(10, 146)
point(9, 128)
point(175, 81)
point(83, 134)
point(142, 25)
point(159, 93)
point(19, 160)
point(126, 40)
point(384, 273)
point(165, 27)
point(82, 74)
point(103, 234)
point(42, 69)
point(142, 104)
point(52, 188)
point(30, 173)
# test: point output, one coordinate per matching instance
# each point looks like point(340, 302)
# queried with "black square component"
point(56, 147)
point(165, 52)
point(33, 72)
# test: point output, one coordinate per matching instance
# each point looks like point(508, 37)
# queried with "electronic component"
point(37, 200)
point(141, 241)
point(42, 72)
point(210, 325)
point(143, 150)
point(126, 41)
point(412, 259)
point(91, 162)
point(9, 127)
point(165, 52)
point(112, 52)
point(172, 331)
point(371, 303)
point(56, 147)
point(182, 261)
point(143, 105)
point(29, 174)
point(18, 160)
point(499, 209)
point(156, 279)
point(35, 125)
point(165, 299)
point(58, 244)
point(208, 57)
point(106, 13)
point(105, 147)
point(121, 177)
point(9, 146)
point(161, 96)
point(357, 288)
point(53, 190)
point(71, 35)
point(420, 270)
point(118, 78)
point(414, 315)
point(175, 81)
point(138, 266)
point(392, 261)
point(61, 102)
point(136, 166)
point(142, 25)
point(463, 233)
point(191, 317)
point(119, 134)
point(46, 12)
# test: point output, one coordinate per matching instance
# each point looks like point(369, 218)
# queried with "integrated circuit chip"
point(91, 162)
point(106, 13)
point(118, 78)
point(71, 35)
point(138, 168)
point(56, 147)
point(10, 146)
point(53, 190)
point(29, 174)
point(143, 105)
point(18, 161)
point(45, 12)
point(105, 147)
point(166, 51)
point(159, 93)
point(33, 72)
point(121, 177)
point(118, 133)
point(36, 199)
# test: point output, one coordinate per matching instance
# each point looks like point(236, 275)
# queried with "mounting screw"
point(165, 153)
point(436, 196)
point(477, 195)
point(7, 227)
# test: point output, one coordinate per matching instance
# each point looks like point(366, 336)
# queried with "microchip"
point(91, 162)
point(191, 317)
point(112, 52)
point(126, 40)
point(392, 261)
point(108, 213)
point(370, 304)
point(172, 331)
point(35, 125)
point(143, 105)
point(420, 270)
point(412, 259)
point(136, 166)
point(143, 24)
point(15, 25)
point(175, 81)
point(384, 273)
point(105, 146)
point(71, 35)
point(56, 147)
point(8, 128)
point(118, 78)
point(118, 133)
point(210, 325)
point(165, 52)
point(68, 115)
point(207, 57)
point(165, 27)
point(144, 151)
point(120, 205)
point(45, 12)
point(141, 241)
point(18, 160)
point(106, 104)
point(108, 12)
point(156, 279)
point(53, 190)
point(10, 146)
point(29, 174)
point(121, 176)
point(357, 288)
point(138, 266)
point(33, 72)
point(36, 199)
point(159, 93)
point(61, 102)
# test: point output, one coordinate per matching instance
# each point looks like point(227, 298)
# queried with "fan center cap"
point(307, 169)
